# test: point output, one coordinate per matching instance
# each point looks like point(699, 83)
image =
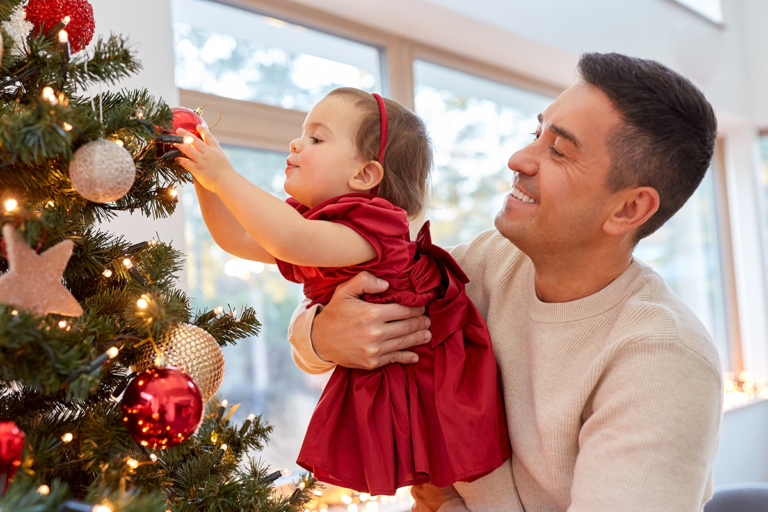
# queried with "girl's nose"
point(295, 146)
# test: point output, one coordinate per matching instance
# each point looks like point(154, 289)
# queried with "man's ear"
point(636, 206)
point(367, 177)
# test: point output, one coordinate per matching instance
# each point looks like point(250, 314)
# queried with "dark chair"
point(739, 498)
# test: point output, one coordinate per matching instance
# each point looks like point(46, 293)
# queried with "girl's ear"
point(367, 177)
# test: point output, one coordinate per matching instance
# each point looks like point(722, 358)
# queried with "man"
point(612, 386)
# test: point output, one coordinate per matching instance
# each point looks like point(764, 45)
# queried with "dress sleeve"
point(650, 433)
point(375, 219)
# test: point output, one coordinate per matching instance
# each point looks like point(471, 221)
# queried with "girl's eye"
point(315, 140)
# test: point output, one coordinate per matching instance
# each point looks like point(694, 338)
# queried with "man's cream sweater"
point(613, 401)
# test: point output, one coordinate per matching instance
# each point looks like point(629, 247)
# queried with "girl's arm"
point(275, 225)
point(226, 230)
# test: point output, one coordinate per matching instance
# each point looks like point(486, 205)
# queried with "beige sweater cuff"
point(453, 505)
point(300, 338)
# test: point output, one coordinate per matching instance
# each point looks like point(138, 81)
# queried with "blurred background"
point(478, 73)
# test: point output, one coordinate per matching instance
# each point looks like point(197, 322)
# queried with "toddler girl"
point(356, 174)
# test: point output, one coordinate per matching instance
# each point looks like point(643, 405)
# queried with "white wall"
point(152, 39)
point(542, 40)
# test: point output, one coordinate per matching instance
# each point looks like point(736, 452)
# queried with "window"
point(710, 9)
point(260, 372)
point(242, 55)
point(475, 125)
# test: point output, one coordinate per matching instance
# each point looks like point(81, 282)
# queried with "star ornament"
point(33, 281)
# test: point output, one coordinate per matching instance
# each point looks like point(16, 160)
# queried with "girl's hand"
point(205, 160)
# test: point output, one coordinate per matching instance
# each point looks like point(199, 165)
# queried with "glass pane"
point(260, 372)
point(685, 252)
point(239, 54)
point(475, 125)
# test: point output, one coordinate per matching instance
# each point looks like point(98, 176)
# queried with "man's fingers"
point(360, 284)
point(394, 312)
point(407, 327)
point(398, 357)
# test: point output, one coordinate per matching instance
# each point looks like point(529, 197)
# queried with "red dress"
point(440, 420)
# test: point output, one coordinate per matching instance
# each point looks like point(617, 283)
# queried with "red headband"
point(383, 143)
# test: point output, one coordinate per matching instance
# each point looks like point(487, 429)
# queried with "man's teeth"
point(521, 196)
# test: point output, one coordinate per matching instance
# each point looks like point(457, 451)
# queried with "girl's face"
point(324, 158)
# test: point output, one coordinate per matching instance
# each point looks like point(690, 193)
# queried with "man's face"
point(560, 202)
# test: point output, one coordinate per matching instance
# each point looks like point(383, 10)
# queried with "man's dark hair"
point(668, 136)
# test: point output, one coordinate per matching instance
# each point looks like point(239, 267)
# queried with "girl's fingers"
point(189, 151)
point(208, 137)
point(196, 143)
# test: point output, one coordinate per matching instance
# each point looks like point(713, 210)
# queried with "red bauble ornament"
point(45, 14)
point(11, 446)
point(187, 119)
point(162, 407)
point(182, 118)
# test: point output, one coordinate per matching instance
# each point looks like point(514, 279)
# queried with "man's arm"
point(354, 333)
point(649, 440)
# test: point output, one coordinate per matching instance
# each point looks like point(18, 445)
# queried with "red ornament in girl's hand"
point(45, 14)
point(162, 407)
point(11, 446)
point(186, 119)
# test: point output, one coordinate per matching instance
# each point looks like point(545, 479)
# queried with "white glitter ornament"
point(102, 171)
point(193, 350)
point(19, 29)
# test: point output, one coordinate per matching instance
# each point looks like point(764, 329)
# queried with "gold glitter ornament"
point(192, 350)
point(102, 171)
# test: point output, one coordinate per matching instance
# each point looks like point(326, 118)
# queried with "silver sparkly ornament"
point(102, 171)
point(192, 350)
point(18, 28)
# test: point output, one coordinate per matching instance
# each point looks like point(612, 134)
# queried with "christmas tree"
point(104, 367)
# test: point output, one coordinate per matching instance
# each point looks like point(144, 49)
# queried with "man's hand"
point(356, 334)
point(430, 498)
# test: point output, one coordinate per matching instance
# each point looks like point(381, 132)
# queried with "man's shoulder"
point(487, 250)
point(653, 313)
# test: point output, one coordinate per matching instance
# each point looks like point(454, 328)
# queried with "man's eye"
point(535, 135)
point(554, 151)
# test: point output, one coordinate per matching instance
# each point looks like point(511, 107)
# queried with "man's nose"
point(525, 161)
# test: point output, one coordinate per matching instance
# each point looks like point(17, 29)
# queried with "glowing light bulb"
point(251, 417)
point(127, 263)
point(133, 463)
point(223, 448)
point(317, 492)
point(119, 142)
point(67, 127)
point(219, 310)
point(101, 508)
point(62, 324)
point(142, 303)
point(285, 472)
point(44, 490)
point(112, 352)
point(48, 93)
point(50, 203)
point(224, 403)
point(153, 457)
point(346, 499)
point(365, 496)
point(152, 242)
point(15, 312)
point(11, 205)
point(352, 507)
point(67, 19)
point(107, 273)
point(63, 36)
point(188, 139)
point(67, 437)
point(173, 192)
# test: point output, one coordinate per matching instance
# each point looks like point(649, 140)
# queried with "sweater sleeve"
point(650, 435)
point(299, 336)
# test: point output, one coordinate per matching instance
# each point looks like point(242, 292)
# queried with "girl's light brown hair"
point(407, 154)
